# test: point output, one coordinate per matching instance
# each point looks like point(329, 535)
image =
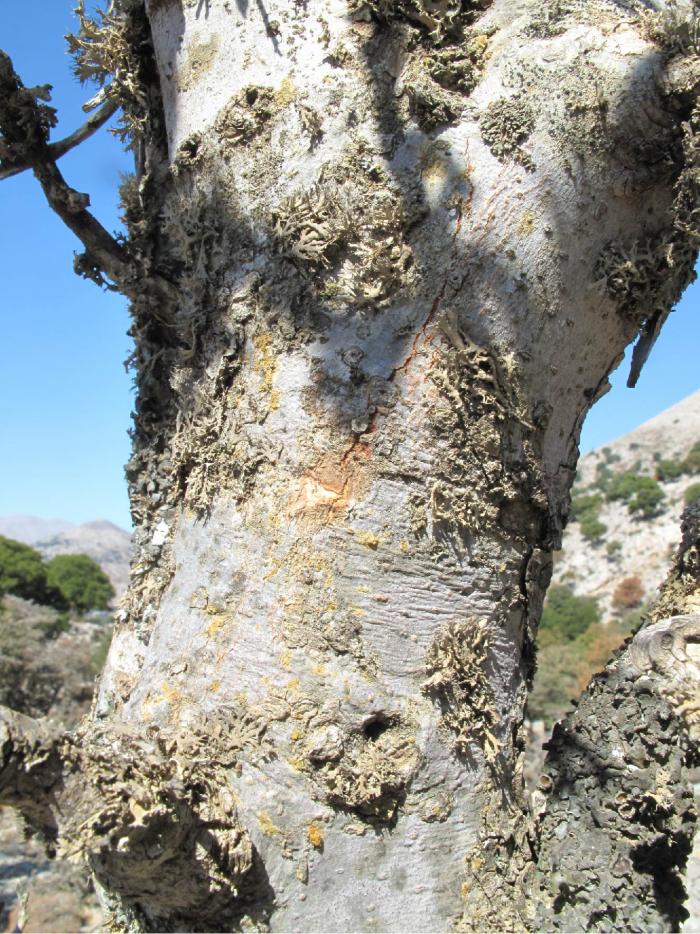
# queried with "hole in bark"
point(375, 725)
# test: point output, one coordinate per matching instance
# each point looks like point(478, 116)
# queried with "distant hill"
point(31, 529)
point(631, 545)
point(103, 541)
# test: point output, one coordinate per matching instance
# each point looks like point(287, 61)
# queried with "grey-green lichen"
point(437, 19)
point(352, 247)
point(365, 771)
point(618, 816)
point(105, 51)
point(457, 665)
point(152, 815)
point(440, 75)
point(311, 225)
point(245, 115)
point(505, 125)
point(646, 278)
point(675, 27)
point(482, 428)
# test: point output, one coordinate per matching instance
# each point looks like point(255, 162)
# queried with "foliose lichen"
point(505, 125)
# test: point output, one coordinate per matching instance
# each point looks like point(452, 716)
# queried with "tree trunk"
point(408, 242)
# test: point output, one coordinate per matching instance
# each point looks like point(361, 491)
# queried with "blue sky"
point(65, 396)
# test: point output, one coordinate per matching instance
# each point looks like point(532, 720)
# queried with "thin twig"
point(24, 143)
point(60, 148)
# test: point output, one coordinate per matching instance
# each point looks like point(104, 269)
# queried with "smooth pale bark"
point(409, 243)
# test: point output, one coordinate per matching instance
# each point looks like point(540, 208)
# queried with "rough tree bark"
point(382, 257)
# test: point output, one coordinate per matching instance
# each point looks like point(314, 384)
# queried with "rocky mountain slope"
point(618, 544)
point(101, 540)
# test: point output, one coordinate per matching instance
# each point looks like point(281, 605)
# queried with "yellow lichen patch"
point(286, 93)
point(319, 670)
point(172, 695)
point(480, 43)
point(368, 539)
point(265, 365)
point(199, 599)
point(286, 660)
point(434, 161)
point(296, 735)
point(137, 811)
point(165, 694)
point(217, 624)
point(200, 58)
point(404, 546)
point(435, 171)
point(267, 826)
point(314, 834)
point(526, 223)
point(215, 686)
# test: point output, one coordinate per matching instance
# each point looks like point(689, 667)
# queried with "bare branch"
point(24, 143)
point(71, 206)
point(60, 148)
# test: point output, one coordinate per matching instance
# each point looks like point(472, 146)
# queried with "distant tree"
point(628, 594)
point(692, 460)
point(81, 582)
point(566, 616)
point(22, 571)
point(691, 494)
point(669, 469)
point(647, 499)
point(29, 679)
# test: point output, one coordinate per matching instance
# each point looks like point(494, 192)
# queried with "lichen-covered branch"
point(24, 132)
point(150, 815)
point(25, 122)
point(61, 147)
point(617, 816)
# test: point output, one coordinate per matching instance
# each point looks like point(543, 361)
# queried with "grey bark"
point(382, 258)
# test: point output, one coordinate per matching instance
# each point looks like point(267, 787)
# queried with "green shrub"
point(692, 459)
point(593, 529)
point(647, 499)
point(626, 484)
point(81, 582)
point(556, 682)
point(99, 655)
point(22, 571)
point(584, 509)
point(612, 549)
point(669, 469)
point(641, 493)
point(603, 478)
point(584, 505)
point(691, 494)
point(566, 616)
